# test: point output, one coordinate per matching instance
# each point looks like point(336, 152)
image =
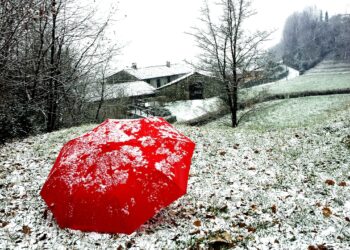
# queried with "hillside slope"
point(329, 75)
point(278, 181)
point(330, 66)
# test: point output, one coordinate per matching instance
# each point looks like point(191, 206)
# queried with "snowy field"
point(328, 75)
point(279, 181)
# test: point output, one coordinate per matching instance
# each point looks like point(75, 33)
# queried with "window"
point(196, 90)
point(169, 79)
point(158, 83)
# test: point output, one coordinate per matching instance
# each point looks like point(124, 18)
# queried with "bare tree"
point(78, 35)
point(14, 17)
point(49, 53)
point(228, 50)
point(101, 79)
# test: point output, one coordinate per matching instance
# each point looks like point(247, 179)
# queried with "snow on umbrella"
point(117, 176)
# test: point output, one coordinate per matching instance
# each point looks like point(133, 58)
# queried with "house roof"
point(159, 71)
point(185, 77)
point(126, 89)
point(178, 80)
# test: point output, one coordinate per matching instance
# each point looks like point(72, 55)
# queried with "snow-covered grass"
point(324, 77)
point(282, 183)
point(330, 66)
point(189, 110)
point(297, 112)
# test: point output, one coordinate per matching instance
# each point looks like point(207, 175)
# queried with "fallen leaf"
point(222, 153)
point(129, 244)
point(210, 216)
point(330, 182)
point(342, 184)
point(256, 151)
point(254, 207)
point(322, 247)
point(197, 223)
point(45, 213)
point(4, 223)
point(251, 229)
point(223, 208)
point(43, 237)
point(26, 230)
point(327, 212)
point(318, 204)
point(274, 208)
point(242, 224)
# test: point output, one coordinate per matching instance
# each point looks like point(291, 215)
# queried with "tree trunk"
point(52, 88)
point(230, 96)
point(100, 102)
point(234, 106)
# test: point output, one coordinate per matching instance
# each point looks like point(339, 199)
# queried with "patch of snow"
point(166, 168)
point(147, 141)
point(292, 73)
point(162, 150)
point(186, 111)
point(120, 90)
point(159, 71)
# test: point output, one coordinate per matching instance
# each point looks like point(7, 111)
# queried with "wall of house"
point(120, 77)
point(180, 90)
point(162, 80)
point(114, 109)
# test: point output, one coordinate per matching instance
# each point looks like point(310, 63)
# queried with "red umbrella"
point(117, 176)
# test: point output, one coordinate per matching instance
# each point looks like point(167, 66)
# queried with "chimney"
point(168, 64)
point(134, 65)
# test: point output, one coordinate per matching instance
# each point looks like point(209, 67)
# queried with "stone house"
point(191, 86)
point(156, 76)
point(131, 88)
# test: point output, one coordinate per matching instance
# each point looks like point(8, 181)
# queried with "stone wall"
point(181, 89)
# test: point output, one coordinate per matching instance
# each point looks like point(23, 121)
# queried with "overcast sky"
point(154, 31)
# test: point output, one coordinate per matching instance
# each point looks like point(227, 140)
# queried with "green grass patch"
point(304, 83)
point(297, 112)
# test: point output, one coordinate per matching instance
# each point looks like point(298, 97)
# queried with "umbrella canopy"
point(117, 176)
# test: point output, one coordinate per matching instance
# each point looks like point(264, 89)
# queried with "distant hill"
point(328, 77)
point(309, 36)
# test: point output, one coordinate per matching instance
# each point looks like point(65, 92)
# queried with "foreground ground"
point(281, 180)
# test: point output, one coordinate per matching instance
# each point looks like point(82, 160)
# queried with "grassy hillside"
point(294, 113)
point(280, 180)
point(328, 75)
